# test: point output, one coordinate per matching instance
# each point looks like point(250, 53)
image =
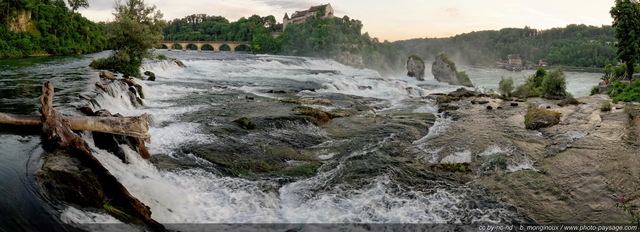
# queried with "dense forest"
point(574, 45)
point(341, 39)
point(337, 38)
point(31, 27)
point(202, 27)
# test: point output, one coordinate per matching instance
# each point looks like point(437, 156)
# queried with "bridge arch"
point(207, 47)
point(242, 47)
point(216, 46)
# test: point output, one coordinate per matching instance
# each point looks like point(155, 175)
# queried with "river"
point(361, 177)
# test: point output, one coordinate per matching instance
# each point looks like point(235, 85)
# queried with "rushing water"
point(189, 106)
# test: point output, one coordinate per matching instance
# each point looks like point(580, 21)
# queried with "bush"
point(527, 90)
point(606, 107)
point(463, 78)
point(620, 91)
point(537, 78)
point(161, 57)
point(554, 84)
point(595, 90)
point(506, 86)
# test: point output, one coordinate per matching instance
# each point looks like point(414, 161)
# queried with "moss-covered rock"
point(540, 118)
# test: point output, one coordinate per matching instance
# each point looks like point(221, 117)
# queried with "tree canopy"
point(136, 29)
point(626, 22)
point(573, 45)
point(29, 27)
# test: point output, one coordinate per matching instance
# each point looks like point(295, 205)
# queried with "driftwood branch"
point(58, 135)
point(129, 126)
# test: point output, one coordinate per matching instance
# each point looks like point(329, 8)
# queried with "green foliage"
point(627, 30)
point(52, 29)
point(75, 4)
point(462, 77)
point(506, 86)
point(574, 45)
point(595, 90)
point(136, 29)
point(554, 84)
point(606, 107)
point(536, 79)
point(116, 212)
point(337, 38)
point(416, 57)
point(620, 91)
point(161, 57)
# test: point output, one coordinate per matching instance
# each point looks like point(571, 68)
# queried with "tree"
point(626, 22)
point(136, 29)
point(554, 84)
point(506, 86)
point(75, 4)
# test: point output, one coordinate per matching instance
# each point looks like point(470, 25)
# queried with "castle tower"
point(285, 21)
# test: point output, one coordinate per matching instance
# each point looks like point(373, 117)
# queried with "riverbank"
point(573, 172)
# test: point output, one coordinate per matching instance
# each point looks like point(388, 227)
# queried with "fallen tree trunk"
point(57, 135)
point(129, 126)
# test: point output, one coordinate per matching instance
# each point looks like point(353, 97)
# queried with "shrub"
point(506, 86)
point(463, 78)
point(537, 78)
point(554, 84)
point(606, 107)
point(595, 90)
point(161, 57)
point(620, 91)
point(536, 118)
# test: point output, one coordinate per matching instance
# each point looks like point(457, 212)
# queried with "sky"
point(398, 19)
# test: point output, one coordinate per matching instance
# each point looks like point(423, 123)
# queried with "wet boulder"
point(415, 67)
point(150, 75)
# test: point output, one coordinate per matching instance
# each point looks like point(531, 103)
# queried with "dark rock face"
point(415, 68)
point(58, 173)
point(462, 92)
point(151, 75)
point(568, 101)
point(443, 72)
point(245, 123)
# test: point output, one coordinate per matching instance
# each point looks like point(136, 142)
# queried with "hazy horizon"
point(402, 20)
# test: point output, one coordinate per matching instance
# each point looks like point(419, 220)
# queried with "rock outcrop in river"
point(445, 70)
point(415, 67)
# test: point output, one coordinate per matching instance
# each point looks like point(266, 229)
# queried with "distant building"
point(543, 63)
point(301, 16)
point(515, 60)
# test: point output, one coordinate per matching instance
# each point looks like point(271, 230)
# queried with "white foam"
point(71, 215)
point(525, 164)
point(458, 157)
point(493, 150)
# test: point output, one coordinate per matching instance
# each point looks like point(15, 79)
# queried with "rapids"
point(192, 108)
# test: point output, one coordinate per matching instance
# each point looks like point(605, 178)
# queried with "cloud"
point(452, 11)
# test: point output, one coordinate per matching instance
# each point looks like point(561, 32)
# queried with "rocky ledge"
point(568, 173)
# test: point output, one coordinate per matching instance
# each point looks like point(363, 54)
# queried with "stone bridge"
point(199, 44)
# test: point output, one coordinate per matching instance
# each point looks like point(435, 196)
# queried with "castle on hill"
point(301, 16)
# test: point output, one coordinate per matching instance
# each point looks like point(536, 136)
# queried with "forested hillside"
point(341, 39)
point(337, 38)
point(29, 27)
point(202, 27)
point(574, 45)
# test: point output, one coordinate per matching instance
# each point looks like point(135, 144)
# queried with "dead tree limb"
point(58, 135)
point(129, 126)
